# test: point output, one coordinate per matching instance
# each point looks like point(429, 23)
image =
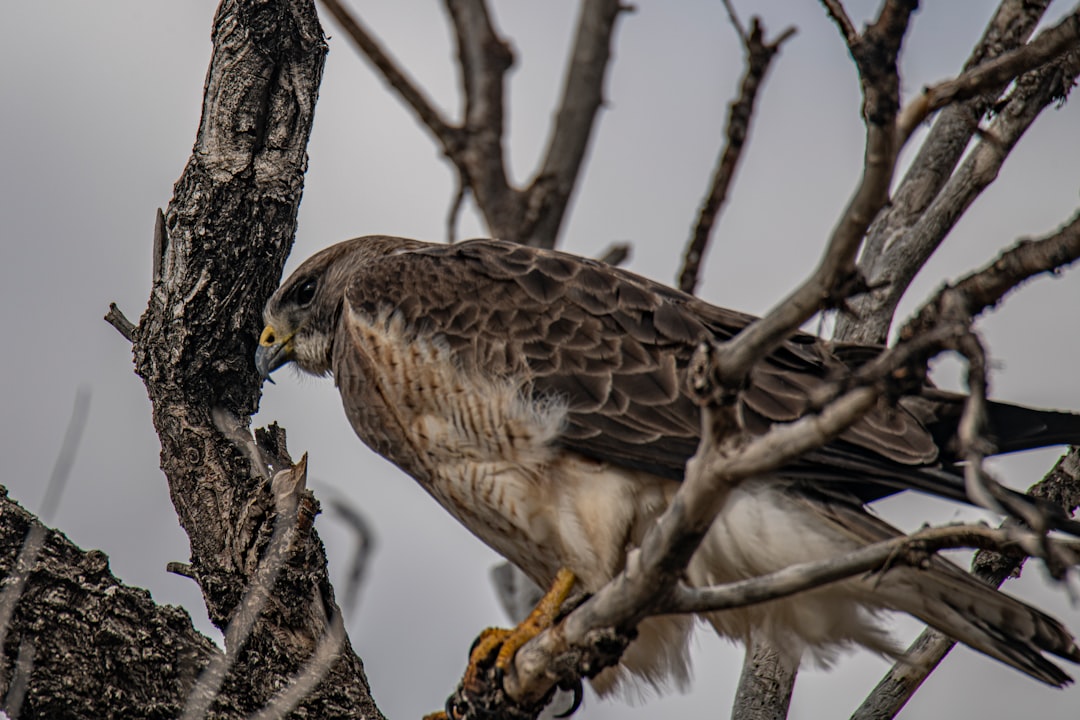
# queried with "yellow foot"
point(509, 642)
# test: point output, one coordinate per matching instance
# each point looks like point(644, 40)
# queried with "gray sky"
point(100, 104)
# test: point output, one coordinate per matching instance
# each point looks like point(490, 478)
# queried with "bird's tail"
point(1013, 428)
point(981, 617)
point(1016, 427)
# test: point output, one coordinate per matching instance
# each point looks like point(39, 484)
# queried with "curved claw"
point(450, 708)
point(579, 694)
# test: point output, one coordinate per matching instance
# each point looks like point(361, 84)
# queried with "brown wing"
point(615, 346)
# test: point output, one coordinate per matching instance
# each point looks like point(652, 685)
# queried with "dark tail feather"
point(1017, 428)
point(983, 618)
point(1012, 427)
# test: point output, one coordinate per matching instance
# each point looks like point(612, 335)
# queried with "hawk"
point(540, 398)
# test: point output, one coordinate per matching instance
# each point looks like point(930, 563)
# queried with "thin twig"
point(615, 254)
point(454, 211)
point(20, 681)
point(910, 233)
point(363, 547)
point(759, 56)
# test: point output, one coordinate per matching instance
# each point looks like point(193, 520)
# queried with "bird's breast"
point(476, 441)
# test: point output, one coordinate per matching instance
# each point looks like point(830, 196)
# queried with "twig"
point(118, 320)
point(985, 287)
point(759, 56)
point(182, 569)
point(454, 211)
point(363, 546)
point(616, 254)
point(932, 197)
point(20, 681)
point(880, 557)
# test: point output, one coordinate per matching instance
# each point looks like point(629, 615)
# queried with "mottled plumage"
point(541, 399)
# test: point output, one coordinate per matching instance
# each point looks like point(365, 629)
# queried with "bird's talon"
point(579, 695)
point(451, 708)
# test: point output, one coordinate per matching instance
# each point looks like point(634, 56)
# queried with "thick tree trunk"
point(92, 648)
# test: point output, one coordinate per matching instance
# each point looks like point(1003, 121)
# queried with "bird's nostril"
point(267, 337)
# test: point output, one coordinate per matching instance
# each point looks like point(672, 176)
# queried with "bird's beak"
point(274, 351)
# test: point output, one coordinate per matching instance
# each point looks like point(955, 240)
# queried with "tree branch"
point(911, 550)
point(483, 61)
point(905, 234)
point(548, 195)
point(759, 56)
point(995, 73)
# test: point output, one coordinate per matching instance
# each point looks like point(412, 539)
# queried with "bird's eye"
point(305, 292)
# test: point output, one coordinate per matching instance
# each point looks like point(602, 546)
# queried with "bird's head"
point(301, 316)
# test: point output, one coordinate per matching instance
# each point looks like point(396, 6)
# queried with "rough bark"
point(91, 646)
point(227, 232)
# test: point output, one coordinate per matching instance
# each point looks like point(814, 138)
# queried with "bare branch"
point(398, 80)
point(910, 550)
point(985, 287)
point(454, 211)
point(575, 119)
point(759, 56)
point(934, 162)
point(484, 59)
point(995, 73)
point(932, 198)
point(363, 547)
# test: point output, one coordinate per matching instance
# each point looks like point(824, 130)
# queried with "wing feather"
point(615, 346)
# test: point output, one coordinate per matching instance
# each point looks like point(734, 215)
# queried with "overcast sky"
point(99, 105)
